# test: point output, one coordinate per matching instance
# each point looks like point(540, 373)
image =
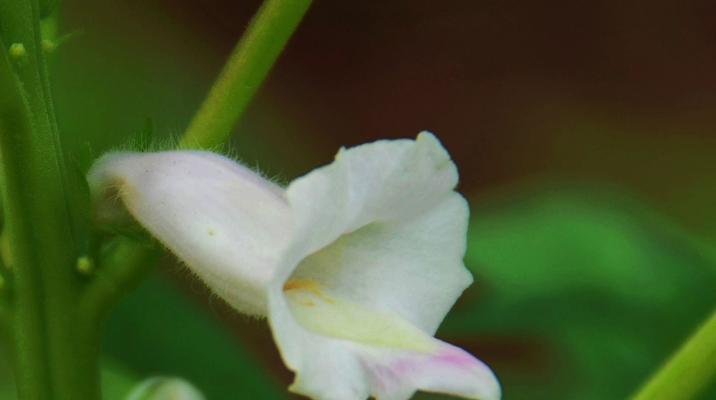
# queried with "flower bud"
point(164, 388)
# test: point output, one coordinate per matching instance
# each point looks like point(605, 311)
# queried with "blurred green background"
point(584, 134)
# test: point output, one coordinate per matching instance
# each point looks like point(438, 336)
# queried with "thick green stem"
point(689, 371)
point(244, 72)
point(56, 352)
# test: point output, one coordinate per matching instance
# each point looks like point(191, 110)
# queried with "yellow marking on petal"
point(307, 285)
point(332, 316)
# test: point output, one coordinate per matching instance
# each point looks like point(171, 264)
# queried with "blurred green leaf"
point(117, 381)
point(580, 293)
point(158, 331)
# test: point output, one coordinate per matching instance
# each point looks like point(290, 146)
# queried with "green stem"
point(56, 353)
point(120, 270)
point(5, 294)
point(689, 371)
point(248, 65)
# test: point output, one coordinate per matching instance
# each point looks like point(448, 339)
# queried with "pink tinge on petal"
point(405, 366)
point(457, 357)
point(449, 370)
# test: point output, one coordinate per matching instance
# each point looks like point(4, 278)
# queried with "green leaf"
point(117, 381)
point(158, 331)
point(579, 293)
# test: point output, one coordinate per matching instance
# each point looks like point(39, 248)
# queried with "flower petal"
point(412, 268)
point(399, 229)
point(450, 370)
point(381, 233)
point(380, 181)
point(348, 352)
point(223, 220)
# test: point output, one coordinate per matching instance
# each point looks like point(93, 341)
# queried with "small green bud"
point(161, 388)
point(17, 51)
point(85, 265)
point(48, 46)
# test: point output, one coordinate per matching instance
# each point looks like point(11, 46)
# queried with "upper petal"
point(224, 221)
point(412, 268)
point(380, 181)
point(383, 226)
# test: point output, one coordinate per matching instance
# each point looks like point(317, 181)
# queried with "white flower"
point(355, 264)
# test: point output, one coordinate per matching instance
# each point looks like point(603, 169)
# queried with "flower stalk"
point(689, 371)
point(243, 73)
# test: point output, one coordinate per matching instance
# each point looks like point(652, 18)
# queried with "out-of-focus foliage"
point(117, 382)
point(118, 70)
point(158, 331)
point(579, 293)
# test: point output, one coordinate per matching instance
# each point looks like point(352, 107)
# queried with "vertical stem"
point(689, 371)
point(248, 65)
point(56, 352)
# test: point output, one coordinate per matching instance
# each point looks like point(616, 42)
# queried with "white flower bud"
point(162, 388)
